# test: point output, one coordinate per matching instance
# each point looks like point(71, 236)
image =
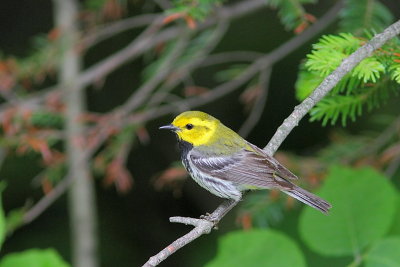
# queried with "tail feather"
point(309, 199)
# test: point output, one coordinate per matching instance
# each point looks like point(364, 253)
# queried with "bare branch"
point(201, 227)
point(141, 94)
point(393, 167)
point(227, 57)
point(184, 71)
point(47, 200)
point(112, 29)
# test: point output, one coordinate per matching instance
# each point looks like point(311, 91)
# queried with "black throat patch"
point(184, 147)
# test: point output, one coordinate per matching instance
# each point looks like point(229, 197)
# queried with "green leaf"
point(34, 258)
point(264, 248)
point(2, 216)
point(363, 209)
point(385, 253)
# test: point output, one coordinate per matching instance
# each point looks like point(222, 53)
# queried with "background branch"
point(258, 106)
point(262, 63)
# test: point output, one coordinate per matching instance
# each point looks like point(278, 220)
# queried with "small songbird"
point(225, 164)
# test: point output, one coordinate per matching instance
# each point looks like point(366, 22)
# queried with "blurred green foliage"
point(28, 258)
point(34, 258)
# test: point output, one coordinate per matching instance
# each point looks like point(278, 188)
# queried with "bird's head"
point(195, 127)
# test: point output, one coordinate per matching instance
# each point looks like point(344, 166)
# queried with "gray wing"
point(247, 168)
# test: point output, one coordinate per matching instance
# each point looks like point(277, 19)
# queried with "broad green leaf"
point(385, 253)
point(34, 258)
point(363, 209)
point(2, 217)
point(261, 248)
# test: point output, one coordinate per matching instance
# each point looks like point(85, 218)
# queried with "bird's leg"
point(221, 211)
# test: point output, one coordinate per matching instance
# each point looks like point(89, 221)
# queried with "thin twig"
point(184, 71)
point(227, 57)
point(383, 138)
point(393, 167)
point(166, 67)
point(201, 227)
point(259, 105)
point(47, 200)
point(107, 31)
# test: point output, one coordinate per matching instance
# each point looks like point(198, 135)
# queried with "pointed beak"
point(169, 127)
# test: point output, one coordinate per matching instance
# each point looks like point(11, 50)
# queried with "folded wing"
point(245, 168)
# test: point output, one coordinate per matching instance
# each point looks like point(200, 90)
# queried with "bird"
point(227, 165)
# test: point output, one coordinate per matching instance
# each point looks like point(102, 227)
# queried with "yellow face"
point(195, 127)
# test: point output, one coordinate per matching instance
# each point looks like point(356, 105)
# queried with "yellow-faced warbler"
point(225, 164)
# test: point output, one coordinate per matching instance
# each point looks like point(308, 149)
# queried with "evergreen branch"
point(359, 87)
point(329, 82)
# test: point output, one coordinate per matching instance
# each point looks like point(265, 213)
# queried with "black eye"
point(189, 126)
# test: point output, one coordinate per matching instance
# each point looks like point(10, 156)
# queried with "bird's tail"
point(309, 199)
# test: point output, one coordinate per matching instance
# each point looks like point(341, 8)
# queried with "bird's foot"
point(211, 218)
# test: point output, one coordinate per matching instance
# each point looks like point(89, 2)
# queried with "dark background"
point(135, 226)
